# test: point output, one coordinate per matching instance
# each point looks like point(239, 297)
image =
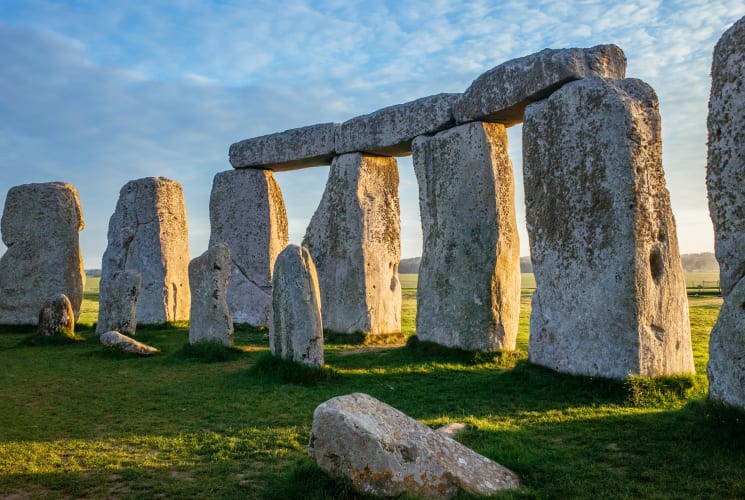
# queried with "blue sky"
point(98, 93)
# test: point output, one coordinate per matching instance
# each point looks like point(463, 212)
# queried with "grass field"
point(81, 421)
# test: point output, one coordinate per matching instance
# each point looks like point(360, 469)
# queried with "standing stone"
point(296, 329)
point(248, 214)
point(117, 300)
point(210, 318)
point(469, 278)
point(355, 240)
point(40, 226)
point(610, 296)
point(148, 234)
point(56, 317)
point(725, 179)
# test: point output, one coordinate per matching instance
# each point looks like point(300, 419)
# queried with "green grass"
point(213, 423)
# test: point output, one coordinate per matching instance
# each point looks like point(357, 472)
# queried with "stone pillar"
point(148, 233)
point(210, 319)
point(355, 240)
point(40, 226)
point(117, 304)
point(469, 279)
point(248, 214)
point(611, 297)
point(725, 180)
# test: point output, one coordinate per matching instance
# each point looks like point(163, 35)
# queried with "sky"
point(100, 93)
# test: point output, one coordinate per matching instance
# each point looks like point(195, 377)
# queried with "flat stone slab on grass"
point(127, 344)
point(389, 131)
point(384, 452)
point(501, 94)
point(310, 146)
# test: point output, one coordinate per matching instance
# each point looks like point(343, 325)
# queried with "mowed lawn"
point(81, 421)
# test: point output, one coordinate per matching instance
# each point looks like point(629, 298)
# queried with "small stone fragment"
point(56, 317)
point(117, 308)
point(384, 452)
point(210, 319)
point(127, 344)
point(452, 429)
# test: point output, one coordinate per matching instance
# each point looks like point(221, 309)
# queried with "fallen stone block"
point(117, 299)
point(56, 317)
point(127, 344)
point(210, 319)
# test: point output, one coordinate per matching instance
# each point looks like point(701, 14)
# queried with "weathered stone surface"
point(302, 147)
point(148, 234)
point(127, 344)
point(296, 329)
point(469, 277)
point(611, 298)
point(210, 319)
point(501, 94)
point(247, 213)
point(117, 299)
point(384, 452)
point(355, 240)
point(40, 226)
point(56, 317)
point(452, 429)
point(389, 131)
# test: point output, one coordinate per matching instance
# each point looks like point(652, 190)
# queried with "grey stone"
point(247, 213)
point(117, 299)
point(127, 344)
point(56, 317)
point(210, 319)
point(611, 297)
point(148, 234)
point(296, 329)
point(468, 294)
point(452, 429)
point(355, 240)
point(302, 147)
point(40, 226)
point(501, 94)
point(384, 452)
point(389, 131)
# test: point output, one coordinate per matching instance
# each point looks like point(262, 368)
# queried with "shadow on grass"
point(52, 340)
point(208, 352)
point(272, 369)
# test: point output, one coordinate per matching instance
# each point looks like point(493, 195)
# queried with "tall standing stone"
point(611, 297)
point(247, 213)
point(40, 226)
point(210, 318)
point(725, 179)
point(117, 302)
point(469, 278)
point(355, 240)
point(296, 329)
point(148, 233)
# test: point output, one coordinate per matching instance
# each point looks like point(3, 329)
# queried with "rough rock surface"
point(389, 131)
point(296, 329)
point(40, 226)
point(247, 213)
point(384, 452)
point(210, 319)
point(127, 344)
point(295, 148)
point(469, 277)
point(501, 94)
point(117, 300)
point(355, 240)
point(725, 179)
point(56, 317)
point(611, 297)
point(148, 234)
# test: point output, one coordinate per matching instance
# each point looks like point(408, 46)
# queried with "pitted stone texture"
point(247, 213)
point(355, 240)
point(117, 299)
point(127, 344)
point(148, 234)
point(296, 329)
point(384, 452)
point(302, 147)
point(468, 294)
point(56, 317)
point(210, 319)
point(611, 297)
point(40, 226)
point(389, 131)
point(725, 172)
point(501, 94)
